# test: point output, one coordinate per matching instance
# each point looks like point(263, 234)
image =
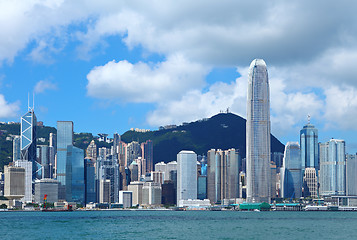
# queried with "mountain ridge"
point(221, 131)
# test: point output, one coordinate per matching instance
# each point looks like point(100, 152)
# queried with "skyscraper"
point(332, 168)
point(133, 152)
point(222, 175)
point(186, 175)
point(64, 139)
point(116, 142)
point(291, 178)
point(211, 176)
point(147, 149)
point(258, 133)
point(28, 140)
point(91, 151)
point(309, 147)
point(89, 178)
point(351, 175)
point(16, 149)
point(75, 189)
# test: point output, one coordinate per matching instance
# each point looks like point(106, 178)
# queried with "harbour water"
point(178, 225)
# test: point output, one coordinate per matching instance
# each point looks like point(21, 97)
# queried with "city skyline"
point(112, 66)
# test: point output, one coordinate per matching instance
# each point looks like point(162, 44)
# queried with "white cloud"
point(196, 105)
point(142, 82)
point(288, 108)
point(341, 107)
point(44, 85)
point(8, 110)
point(311, 53)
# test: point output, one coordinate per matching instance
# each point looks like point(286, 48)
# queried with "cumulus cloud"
point(196, 104)
point(277, 31)
point(341, 107)
point(287, 108)
point(8, 110)
point(311, 53)
point(142, 82)
point(44, 85)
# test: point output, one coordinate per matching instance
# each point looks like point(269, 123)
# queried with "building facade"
point(14, 182)
point(47, 187)
point(258, 134)
point(332, 168)
point(309, 147)
point(64, 139)
point(28, 140)
point(186, 175)
point(290, 173)
point(27, 165)
point(147, 149)
point(351, 175)
point(75, 184)
point(310, 187)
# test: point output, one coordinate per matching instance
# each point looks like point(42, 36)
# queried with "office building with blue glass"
point(28, 141)
point(290, 173)
point(309, 147)
point(75, 187)
point(70, 165)
point(89, 178)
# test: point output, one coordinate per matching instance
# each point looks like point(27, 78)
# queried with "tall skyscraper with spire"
point(28, 140)
point(258, 133)
point(309, 146)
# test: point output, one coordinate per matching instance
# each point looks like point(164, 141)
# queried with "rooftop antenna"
point(308, 119)
point(28, 101)
point(33, 101)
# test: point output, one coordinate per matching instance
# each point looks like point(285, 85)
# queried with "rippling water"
point(178, 225)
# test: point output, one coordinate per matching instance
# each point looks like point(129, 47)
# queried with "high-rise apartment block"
point(147, 150)
point(222, 175)
point(133, 150)
point(258, 134)
point(91, 151)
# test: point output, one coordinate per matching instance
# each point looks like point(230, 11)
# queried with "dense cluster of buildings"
point(125, 175)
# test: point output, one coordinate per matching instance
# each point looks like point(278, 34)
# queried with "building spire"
point(308, 119)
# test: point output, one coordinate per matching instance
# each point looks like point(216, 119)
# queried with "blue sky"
point(113, 65)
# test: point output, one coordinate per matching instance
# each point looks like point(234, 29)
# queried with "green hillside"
point(222, 131)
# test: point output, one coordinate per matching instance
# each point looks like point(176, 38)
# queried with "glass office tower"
point(64, 139)
point(291, 177)
point(75, 187)
point(309, 147)
point(28, 140)
point(258, 133)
